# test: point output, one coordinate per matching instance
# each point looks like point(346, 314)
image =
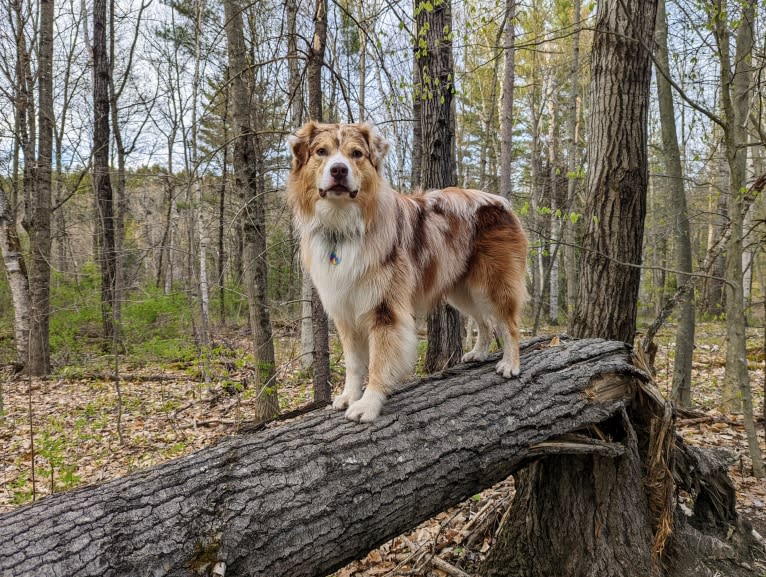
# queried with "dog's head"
point(341, 163)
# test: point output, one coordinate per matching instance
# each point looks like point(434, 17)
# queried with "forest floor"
point(85, 431)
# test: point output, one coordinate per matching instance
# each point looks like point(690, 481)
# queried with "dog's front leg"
point(393, 352)
point(356, 352)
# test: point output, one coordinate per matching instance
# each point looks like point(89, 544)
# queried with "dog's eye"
point(356, 153)
point(321, 152)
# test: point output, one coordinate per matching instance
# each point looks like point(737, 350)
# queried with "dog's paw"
point(507, 369)
point(474, 356)
point(344, 400)
point(366, 409)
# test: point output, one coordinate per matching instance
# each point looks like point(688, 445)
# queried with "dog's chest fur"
point(340, 255)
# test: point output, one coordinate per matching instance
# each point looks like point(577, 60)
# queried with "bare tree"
point(506, 140)
point(319, 316)
point(102, 183)
point(573, 163)
point(682, 366)
point(735, 99)
point(246, 167)
point(40, 209)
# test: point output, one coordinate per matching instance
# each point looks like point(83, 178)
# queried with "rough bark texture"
point(618, 175)
point(249, 170)
point(433, 58)
point(102, 183)
point(307, 497)
point(40, 213)
point(595, 500)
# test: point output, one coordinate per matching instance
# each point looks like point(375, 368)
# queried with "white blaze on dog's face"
point(339, 164)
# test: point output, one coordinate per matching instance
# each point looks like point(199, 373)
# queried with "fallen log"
point(306, 497)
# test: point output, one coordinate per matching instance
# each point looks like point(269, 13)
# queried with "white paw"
point(344, 400)
point(471, 356)
point(366, 409)
point(507, 369)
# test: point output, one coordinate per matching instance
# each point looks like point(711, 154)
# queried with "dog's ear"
point(378, 145)
point(300, 142)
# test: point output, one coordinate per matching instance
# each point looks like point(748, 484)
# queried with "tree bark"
point(506, 139)
point(433, 58)
point(618, 175)
point(573, 164)
point(102, 183)
point(16, 272)
point(735, 100)
point(306, 497)
point(246, 168)
point(199, 213)
point(40, 214)
point(603, 528)
point(309, 496)
point(682, 366)
point(319, 321)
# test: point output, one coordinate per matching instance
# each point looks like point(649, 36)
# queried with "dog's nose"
point(339, 170)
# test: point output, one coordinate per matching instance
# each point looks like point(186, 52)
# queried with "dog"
point(378, 258)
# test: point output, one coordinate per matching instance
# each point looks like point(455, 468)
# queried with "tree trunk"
point(434, 92)
point(735, 100)
point(199, 214)
point(319, 321)
point(222, 212)
point(40, 221)
point(506, 139)
point(246, 168)
point(552, 271)
point(573, 164)
point(16, 272)
point(713, 299)
point(307, 497)
point(618, 176)
point(102, 183)
point(682, 366)
point(601, 513)
point(416, 176)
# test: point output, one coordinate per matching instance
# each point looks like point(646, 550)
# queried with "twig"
point(448, 568)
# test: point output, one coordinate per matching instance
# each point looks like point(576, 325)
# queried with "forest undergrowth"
point(85, 431)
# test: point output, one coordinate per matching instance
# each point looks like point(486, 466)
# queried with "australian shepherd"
point(378, 258)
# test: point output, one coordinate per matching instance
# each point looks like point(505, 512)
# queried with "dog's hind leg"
point(393, 352)
point(356, 353)
point(469, 303)
point(510, 365)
